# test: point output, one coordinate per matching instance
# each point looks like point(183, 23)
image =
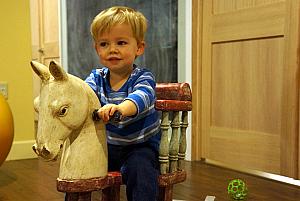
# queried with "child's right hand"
point(107, 111)
point(126, 108)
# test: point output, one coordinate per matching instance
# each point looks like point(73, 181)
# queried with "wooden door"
point(245, 79)
point(49, 31)
point(45, 35)
point(45, 30)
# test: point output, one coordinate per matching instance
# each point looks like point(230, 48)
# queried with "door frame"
point(197, 26)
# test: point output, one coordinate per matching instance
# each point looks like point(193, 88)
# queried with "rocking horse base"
point(166, 183)
point(81, 190)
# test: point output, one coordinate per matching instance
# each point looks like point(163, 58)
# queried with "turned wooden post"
point(174, 144)
point(182, 140)
point(111, 193)
point(164, 144)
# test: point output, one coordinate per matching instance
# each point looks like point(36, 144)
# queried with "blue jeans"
point(139, 167)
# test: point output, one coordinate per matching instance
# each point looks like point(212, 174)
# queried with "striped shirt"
point(139, 88)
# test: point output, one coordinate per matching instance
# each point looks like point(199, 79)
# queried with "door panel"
point(248, 84)
point(256, 22)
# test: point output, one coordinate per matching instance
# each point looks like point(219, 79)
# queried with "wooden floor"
point(35, 180)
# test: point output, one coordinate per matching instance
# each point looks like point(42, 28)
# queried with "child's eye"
point(122, 42)
point(103, 44)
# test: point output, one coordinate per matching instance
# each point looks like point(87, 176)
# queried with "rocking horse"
point(66, 127)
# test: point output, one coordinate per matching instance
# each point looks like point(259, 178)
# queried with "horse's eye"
point(63, 111)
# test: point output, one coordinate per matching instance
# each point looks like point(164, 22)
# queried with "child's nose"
point(113, 48)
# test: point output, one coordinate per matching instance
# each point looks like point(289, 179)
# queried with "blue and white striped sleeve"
point(91, 81)
point(143, 93)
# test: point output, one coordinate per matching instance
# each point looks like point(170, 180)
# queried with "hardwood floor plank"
point(35, 180)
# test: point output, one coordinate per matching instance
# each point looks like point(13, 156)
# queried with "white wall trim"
point(21, 150)
point(185, 55)
point(63, 34)
point(267, 175)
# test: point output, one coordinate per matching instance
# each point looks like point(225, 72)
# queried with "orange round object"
point(6, 129)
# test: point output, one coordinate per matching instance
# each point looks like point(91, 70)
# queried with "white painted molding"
point(262, 174)
point(63, 34)
point(21, 150)
point(185, 55)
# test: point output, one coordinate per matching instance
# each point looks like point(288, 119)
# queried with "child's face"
point(117, 48)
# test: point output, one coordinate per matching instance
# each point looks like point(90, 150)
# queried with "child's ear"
point(141, 48)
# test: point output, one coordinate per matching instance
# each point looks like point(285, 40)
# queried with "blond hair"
point(110, 17)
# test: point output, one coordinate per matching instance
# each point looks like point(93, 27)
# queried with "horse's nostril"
point(45, 152)
point(34, 148)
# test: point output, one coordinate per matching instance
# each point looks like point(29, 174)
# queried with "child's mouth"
point(114, 59)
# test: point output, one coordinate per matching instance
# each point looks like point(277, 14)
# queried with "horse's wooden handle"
point(115, 118)
point(95, 115)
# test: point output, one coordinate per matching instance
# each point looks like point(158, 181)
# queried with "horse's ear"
point(41, 70)
point(57, 71)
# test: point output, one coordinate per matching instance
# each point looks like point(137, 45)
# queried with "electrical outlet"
point(3, 89)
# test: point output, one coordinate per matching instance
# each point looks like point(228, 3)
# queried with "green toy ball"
point(237, 189)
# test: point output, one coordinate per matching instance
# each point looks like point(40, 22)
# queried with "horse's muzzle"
point(43, 153)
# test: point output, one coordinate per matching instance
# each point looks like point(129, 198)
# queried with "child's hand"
point(126, 108)
point(107, 111)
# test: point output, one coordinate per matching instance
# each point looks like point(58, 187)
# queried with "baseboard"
point(21, 150)
point(258, 173)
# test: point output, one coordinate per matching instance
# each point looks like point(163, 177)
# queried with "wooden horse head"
point(65, 107)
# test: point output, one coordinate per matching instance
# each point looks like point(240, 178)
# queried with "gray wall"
point(161, 39)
